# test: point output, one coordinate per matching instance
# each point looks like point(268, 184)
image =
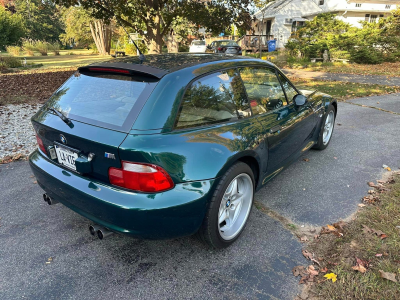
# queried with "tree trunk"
point(102, 36)
point(154, 38)
point(172, 44)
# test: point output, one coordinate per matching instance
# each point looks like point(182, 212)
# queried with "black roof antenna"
point(141, 55)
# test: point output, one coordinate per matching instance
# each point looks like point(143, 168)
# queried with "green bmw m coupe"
point(173, 145)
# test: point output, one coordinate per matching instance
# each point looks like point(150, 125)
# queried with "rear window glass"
point(198, 43)
point(98, 99)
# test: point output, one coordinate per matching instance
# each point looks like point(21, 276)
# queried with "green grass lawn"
point(64, 60)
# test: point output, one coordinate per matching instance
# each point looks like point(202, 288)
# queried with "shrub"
point(42, 47)
point(13, 50)
point(10, 62)
point(366, 55)
point(131, 49)
point(70, 53)
point(339, 54)
point(55, 48)
point(93, 47)
point(28, 47)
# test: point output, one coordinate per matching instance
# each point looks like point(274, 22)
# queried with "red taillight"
point(109, 70)
point(140, 177)
point(40, 144)
point(219, 49)
point(239, 48)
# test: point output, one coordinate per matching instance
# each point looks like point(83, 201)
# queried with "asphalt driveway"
point(320, 191)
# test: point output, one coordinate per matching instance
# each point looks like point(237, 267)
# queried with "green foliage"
point(54, 47)
point(10, 62)
point(374, 43)
point(28, 47)
point(13, 50)
point(77, 30)
point(154, 19)
point(42, 47)
point(12, 28)
point(131, 49)
point(42, 19)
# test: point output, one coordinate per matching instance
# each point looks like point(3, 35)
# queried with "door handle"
point(275, 129)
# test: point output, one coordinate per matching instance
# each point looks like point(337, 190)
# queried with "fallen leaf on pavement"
point(307, 254)
point(306, 159)
point(331, 228)
point(388, 276)
point(299, 270)
point(312, 271)
point(303, 239)
point(371, 184)
point(361, 205)
point(331, 276)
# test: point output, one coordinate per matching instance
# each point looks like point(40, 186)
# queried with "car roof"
point(158, 65)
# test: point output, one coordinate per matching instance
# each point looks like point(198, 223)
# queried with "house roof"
point(272, 8)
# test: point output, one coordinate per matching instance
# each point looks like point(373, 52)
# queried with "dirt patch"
point(31, 88)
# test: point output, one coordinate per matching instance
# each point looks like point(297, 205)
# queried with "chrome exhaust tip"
point(45, 197)
point(51, 201)
point(103, 233)
point(93, 229)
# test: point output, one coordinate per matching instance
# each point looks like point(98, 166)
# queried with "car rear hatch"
point(85, 121)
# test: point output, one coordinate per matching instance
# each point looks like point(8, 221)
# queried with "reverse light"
point(140, 177)
point(40, 144)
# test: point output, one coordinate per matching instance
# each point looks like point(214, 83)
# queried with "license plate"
point(66, 157)
point(230, 51)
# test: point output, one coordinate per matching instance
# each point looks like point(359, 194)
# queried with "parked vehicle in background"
point(198, 46)
point(173, 145)
point(225, 46)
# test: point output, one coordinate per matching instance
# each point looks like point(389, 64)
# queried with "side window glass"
point(289, 89)
point(263, 89)
point(215, 98)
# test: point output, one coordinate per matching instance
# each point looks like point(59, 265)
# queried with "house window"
point(321, 2)
point(367, 18)
point(387, 6)
point(373, 18)
point(358, 4)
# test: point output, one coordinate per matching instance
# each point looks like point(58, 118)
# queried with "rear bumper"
point(174, 213)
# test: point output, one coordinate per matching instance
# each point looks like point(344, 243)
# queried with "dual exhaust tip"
point(99, 231)
point(94, 230)
point(49, 200)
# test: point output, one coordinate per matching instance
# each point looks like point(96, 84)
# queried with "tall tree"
point(42, 19)
point(76, 22)
point(11, 28)
point(153, 19)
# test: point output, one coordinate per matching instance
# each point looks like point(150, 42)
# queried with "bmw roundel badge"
point(63, 139)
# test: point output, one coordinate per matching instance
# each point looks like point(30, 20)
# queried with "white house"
point(278, 19)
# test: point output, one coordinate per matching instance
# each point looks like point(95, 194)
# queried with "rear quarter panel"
point(198, 154)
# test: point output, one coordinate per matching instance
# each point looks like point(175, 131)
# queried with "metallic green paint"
point(177, 212)
point(195, 158)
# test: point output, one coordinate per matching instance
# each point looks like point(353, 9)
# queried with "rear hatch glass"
point(105, 100)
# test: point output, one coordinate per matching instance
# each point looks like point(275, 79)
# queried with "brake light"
point(140, 177)
point(219, 49)
point(112, 70)
point(239, 48)
point(40, 144)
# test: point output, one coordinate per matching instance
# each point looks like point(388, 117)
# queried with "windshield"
point(198, 43)
point(98, 99)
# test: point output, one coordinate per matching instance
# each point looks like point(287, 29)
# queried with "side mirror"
point(300, 100)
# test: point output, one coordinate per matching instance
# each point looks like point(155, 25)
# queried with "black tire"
point(209, 231)
point(320, 145)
